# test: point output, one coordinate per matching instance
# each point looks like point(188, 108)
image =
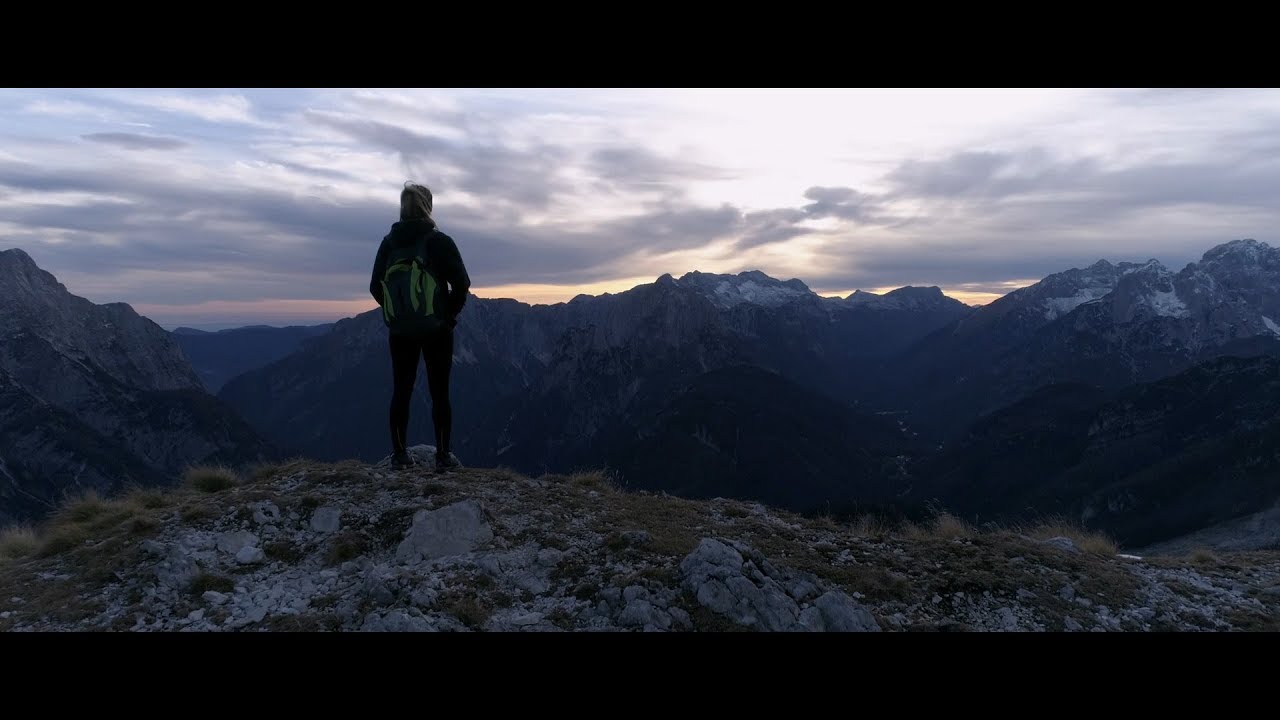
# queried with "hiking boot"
point(401, 459)
point(447, 462)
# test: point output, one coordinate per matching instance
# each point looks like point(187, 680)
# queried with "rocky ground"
point(307, 546)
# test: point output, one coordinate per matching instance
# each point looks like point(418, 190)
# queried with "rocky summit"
point(307, 546)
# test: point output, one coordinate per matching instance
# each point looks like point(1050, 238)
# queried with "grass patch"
point(882, 579)
point(1202, 556)
point(148, 498)
point(283, 551)
point(210, 478)
point(305, 622)
point(126, 620)
point(195, 512)
point(586, 591)
point(562, 619)
point(652, 575)
point(346, 546)
point(205, 582)
point(557, 543)
point(594, 480)
point(87, 517)
point(65, 599)
point(391, 528)
point(505, 474)
point(90, 517)
point(468, 608)
point(944, 526)
point(91, 538)
point(1089, 541)
point(18, 542)
point(1249, 620)
point(951, 527)
point(143, 525)
point(260, 472)
point(705, 620)
point(347, 472)
point(870, 526)
point(81, 509)
point(670, 521)
point(435, 488)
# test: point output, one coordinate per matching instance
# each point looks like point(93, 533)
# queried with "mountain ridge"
point(736, 361)
point(1108, 324)
point(96, 397)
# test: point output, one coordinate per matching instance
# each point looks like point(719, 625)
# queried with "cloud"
point(65, 108)
point(843, 203)
point(983, 220)
point(289, 195)
point(635, 167)
point(173, 240)
point(215, 109)
point(251, 242)
point(527, 177)
point(1034, 190)
point(771, 226)
point(672, 228)
point(961, 174)
point(131, 141)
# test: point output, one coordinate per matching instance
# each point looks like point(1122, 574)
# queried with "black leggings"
point(438, 354)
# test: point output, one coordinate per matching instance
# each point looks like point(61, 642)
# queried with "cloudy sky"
point(217, 208)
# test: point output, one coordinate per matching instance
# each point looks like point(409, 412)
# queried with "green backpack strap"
point(427, 280)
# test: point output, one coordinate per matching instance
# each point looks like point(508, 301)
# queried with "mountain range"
point(1124, 395)
point(96, 397)
point(756, 387)
point(219, 356)
point(541, 388)
point(1107, 325)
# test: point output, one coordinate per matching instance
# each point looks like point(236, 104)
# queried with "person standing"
point(421, 284)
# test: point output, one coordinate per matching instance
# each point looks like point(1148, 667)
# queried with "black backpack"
point(412, 295)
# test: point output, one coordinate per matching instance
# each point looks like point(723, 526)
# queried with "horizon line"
point(222, 314)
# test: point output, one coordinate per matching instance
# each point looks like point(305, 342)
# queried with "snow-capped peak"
point(1056, 307)
point(1149, 289)
point(752, 287)
point(1063, 292)
point(1167, 303)
point(1248, 252)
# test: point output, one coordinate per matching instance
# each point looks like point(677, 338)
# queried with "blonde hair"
point(415, 201)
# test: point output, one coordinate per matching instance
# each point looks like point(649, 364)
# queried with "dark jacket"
point(443, 254)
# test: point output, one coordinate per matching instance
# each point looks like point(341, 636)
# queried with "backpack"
point(412, 295)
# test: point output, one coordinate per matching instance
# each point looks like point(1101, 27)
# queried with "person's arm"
point(455, 273)
point(379, 267)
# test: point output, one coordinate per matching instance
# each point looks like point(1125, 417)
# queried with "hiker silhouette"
point(421, 284)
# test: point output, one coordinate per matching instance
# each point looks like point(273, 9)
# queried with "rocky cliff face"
point(311, 546)
point(1106, 325)
point(96, 397)
point(52, 338)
